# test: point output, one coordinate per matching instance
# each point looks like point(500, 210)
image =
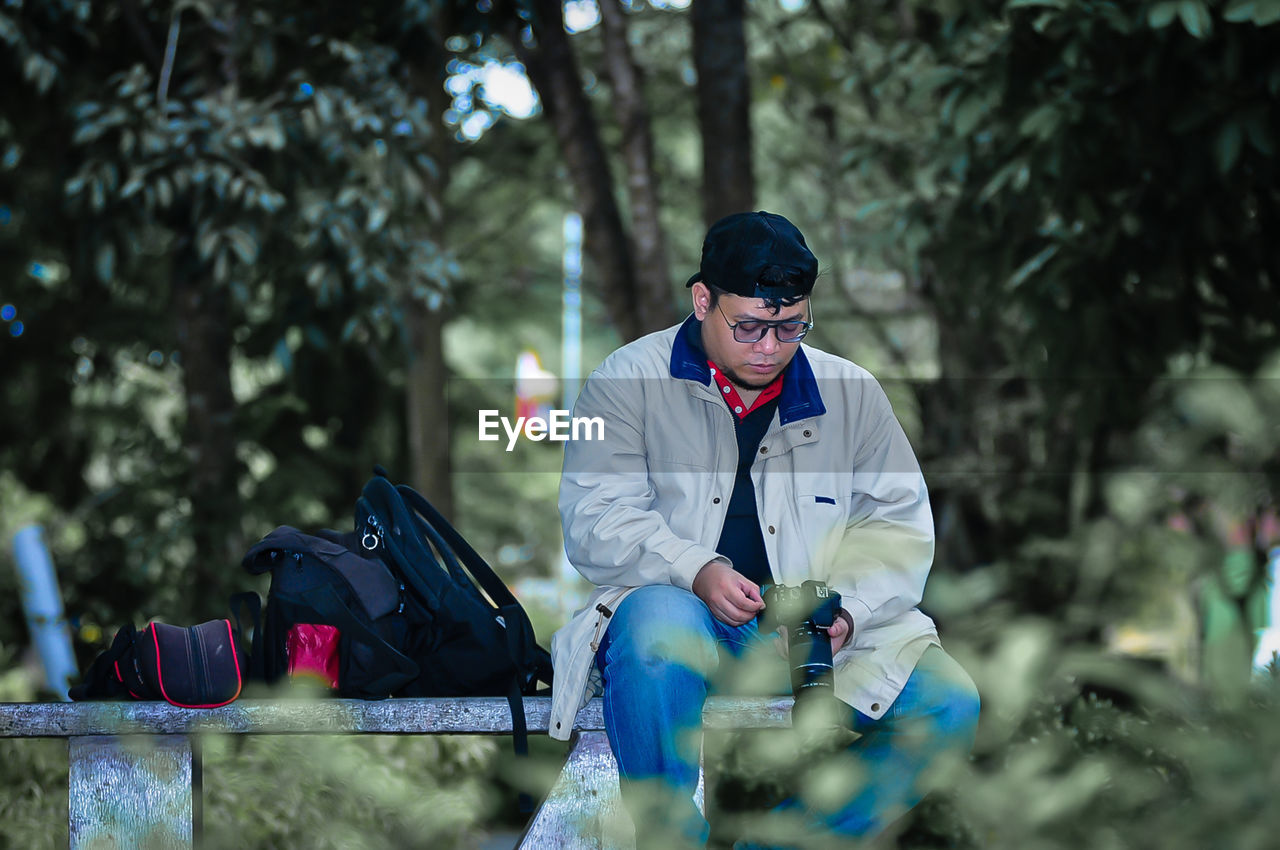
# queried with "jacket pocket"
point(822, 511)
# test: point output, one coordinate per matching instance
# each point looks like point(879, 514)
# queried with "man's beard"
point(744, 384)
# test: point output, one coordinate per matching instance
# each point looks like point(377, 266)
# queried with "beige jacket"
point(839, 494)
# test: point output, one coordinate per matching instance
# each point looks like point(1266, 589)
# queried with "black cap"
point(740, 247)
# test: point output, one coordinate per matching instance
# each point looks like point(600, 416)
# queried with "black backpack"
point(327, 580)
point(418, 611)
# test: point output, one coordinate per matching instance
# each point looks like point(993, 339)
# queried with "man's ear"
point(701, 300)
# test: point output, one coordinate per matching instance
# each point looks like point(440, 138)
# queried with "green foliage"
point(33, 794)
point(342, 792)
point(1084, 748)
point(1078, 195)
point(287, 792)
point(277, 167)
point(1077, 748)
point(1050, 121)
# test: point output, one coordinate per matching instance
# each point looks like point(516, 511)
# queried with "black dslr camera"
point(807, 612)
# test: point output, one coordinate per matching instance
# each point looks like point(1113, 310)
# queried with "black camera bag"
point(190, 667)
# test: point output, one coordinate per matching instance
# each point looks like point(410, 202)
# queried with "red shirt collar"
point(730, 393)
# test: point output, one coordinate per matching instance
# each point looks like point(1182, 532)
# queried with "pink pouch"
point(313, 651)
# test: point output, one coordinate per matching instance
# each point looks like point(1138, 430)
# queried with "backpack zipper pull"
point(373, 534)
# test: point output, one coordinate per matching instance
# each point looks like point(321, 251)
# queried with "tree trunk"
point(553, 69)
point(427, 403)
point(647, 236)
point(201, 314)
point(724, 104)
point(426, 385)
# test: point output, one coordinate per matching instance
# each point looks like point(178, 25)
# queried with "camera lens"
point(811, 663)
point(806, 612)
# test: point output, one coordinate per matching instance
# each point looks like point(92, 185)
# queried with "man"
point(732, 458)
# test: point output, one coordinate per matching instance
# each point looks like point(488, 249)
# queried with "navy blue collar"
point(800, 398)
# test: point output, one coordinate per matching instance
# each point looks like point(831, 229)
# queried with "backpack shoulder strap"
point(251, 603)
point(389, 528)
point(107, 679)
point(455, 542)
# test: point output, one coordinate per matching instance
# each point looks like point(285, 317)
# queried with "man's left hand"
point(841, 630)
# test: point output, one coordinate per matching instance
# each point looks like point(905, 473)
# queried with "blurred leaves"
point(1078, 195)
point(367, 792)
point(283, 178)
point(290, 792)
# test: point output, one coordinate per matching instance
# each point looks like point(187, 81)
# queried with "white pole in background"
point(571, 340)
point(571, 318)
point(42, 602)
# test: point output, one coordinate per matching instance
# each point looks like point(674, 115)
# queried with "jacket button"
point(808, 433)
point(716, 500)
point(771, 529)
point(875, 706)
point(764, 450)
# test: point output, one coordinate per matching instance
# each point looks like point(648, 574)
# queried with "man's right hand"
point(732, 598)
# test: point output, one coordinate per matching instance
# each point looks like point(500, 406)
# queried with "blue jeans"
point(664, 652)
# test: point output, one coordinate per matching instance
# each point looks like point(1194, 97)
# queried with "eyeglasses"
point(753, 330)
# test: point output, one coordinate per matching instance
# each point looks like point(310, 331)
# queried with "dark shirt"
point(741, 540)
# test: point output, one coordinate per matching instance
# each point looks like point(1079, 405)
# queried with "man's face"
point(749, 365)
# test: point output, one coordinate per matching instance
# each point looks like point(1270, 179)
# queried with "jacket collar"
point(800, 398)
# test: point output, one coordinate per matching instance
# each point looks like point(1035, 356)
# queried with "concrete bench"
point(134, 782)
